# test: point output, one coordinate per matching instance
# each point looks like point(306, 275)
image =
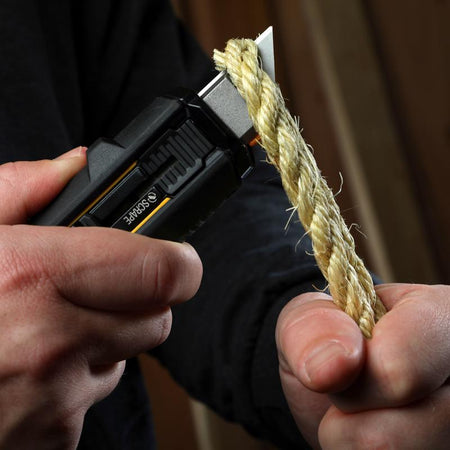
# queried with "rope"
point(349, 281)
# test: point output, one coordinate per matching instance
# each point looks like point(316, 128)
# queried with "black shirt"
point(76, 70)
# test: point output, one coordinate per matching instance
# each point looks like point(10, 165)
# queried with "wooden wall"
point(413, 43)
point(370, 82)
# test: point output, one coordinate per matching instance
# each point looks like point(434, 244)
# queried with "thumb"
point(319, 344)
point(28, 186)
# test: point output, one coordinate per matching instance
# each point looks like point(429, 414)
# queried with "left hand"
point(74, 304)
point(391, 391)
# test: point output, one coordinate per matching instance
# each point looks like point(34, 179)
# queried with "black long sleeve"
point(74, 70)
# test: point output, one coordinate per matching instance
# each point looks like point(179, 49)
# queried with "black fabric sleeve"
point(129, 53)
point(77, 70)
point(222, 345)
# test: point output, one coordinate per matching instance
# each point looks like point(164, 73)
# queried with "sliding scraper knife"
point(170, 168)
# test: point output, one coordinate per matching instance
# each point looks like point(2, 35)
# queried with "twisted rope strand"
point(350, 284)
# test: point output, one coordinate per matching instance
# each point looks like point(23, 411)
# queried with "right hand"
point(391, 391)
point(74, 304)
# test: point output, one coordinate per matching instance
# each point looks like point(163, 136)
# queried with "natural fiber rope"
point(349, 281)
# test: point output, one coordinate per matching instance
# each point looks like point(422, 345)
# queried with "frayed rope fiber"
point(349, 281)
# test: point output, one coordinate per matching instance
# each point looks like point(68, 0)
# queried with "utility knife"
point(170, 168)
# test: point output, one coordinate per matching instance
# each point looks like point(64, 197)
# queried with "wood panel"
point(369, 140)
point(413, 41)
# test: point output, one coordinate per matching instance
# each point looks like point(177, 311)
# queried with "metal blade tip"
point(266, 52)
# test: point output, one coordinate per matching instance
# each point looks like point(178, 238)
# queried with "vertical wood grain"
point(413, 42)
point(370, 141)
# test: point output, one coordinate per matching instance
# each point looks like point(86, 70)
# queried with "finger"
point(73, 391)
point(394, 293)
point(111, 337)
point(307, 407)
point(99, 268)
point(105, 378)
point(421, 425)
point(89, 383)
point(319, 343)
point(64, 331)
point(28, 186)
point(408, 355)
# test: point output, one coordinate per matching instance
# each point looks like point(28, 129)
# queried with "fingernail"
point(321, 356)
point(189, 248)
point(70, 163)
point(78, 151)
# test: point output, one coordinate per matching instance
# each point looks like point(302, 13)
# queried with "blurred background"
point(369, 80)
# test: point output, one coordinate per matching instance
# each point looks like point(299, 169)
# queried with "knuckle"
point(17, 270)
point(165, 279)
point(9, 172)
point(48, 356)
point(398, 380)
point(25, 262)
point(409, 366)
point(172, 272)
point(164, 273)
point(108, 377)
point(164, 326)
point(370, 437)
point(300, 321)
point(290, 315)
point(340, 431)
point(66, 420)
point(11, 181)
point(287, 332)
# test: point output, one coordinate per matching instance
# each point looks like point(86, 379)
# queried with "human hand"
point(391, 391)
point(74, 304)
